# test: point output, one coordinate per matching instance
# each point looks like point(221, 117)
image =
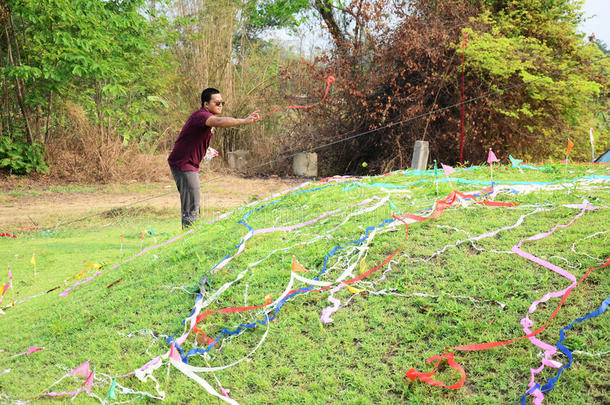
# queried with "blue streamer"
point(551, 383)
point(243, 222)
point(299, 291)
point(280, 303)
point(476, 182)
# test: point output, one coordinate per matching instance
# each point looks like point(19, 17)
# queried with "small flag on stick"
point(33, 349)
point(491, 158)
point(436, 177)
point(592, 144)
point(296, 266)
point(363, 265)
point(4, 288)
point(111, 394)
point(448, 170)
point(33, 261)
point(570, 146)
point(83, 369)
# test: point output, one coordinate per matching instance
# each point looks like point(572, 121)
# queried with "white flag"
point(592, 143)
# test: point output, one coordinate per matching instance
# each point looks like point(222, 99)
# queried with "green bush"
point(21, 158)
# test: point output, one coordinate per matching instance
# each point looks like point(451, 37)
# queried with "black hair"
point(206, 95)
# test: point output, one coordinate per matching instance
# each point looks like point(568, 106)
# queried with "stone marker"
point(305, 164)
point(420, 155)
point(237, 159)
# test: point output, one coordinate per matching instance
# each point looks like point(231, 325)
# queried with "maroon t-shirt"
point(192, 143)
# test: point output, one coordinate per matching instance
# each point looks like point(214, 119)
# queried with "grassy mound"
point(438, 290)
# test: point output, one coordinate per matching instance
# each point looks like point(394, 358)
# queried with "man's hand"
point(255, 116)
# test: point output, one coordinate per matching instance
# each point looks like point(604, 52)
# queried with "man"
point(191, 146)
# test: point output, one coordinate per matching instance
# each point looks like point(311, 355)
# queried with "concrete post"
point(237, 159)
point(420, 155)
point(305, 164)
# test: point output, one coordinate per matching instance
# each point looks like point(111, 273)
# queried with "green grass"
point(363, 355)
point(64, 189)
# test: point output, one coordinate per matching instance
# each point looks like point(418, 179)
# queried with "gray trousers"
point(189, 189)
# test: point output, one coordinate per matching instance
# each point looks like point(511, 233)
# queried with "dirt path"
point(48, 206)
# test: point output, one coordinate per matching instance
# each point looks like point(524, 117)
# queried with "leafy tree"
point(103, 55)
point(554, 77)
point(533, 80)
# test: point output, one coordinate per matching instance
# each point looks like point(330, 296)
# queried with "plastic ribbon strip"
point(526, 322)
point(477, 238)
point(176, 361)
point(436, 212)
point(551, 383)
point(441, 205)
point(328, 311)
point(329, 81)
point(174, 357)
point(277, 305)
point(588, 237)
point(413, 374)
point(312, 221)
point(600, 354)
point(239, 248)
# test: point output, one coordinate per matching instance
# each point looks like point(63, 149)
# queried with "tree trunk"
point(98, 109)
point(324, 9)
point(49, 109)
point(20, 90)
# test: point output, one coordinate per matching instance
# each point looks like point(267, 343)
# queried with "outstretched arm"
point(227, 122)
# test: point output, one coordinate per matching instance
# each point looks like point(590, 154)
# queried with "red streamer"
point(232, 310)
point(329, 81)
point(441, 205)
point(413, 374)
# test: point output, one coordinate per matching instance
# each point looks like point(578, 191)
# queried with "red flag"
point(89, 382)
point(570, 146)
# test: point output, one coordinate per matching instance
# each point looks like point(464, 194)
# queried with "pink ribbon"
point(33, 349)
point(328, 311)
point(526, 322)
